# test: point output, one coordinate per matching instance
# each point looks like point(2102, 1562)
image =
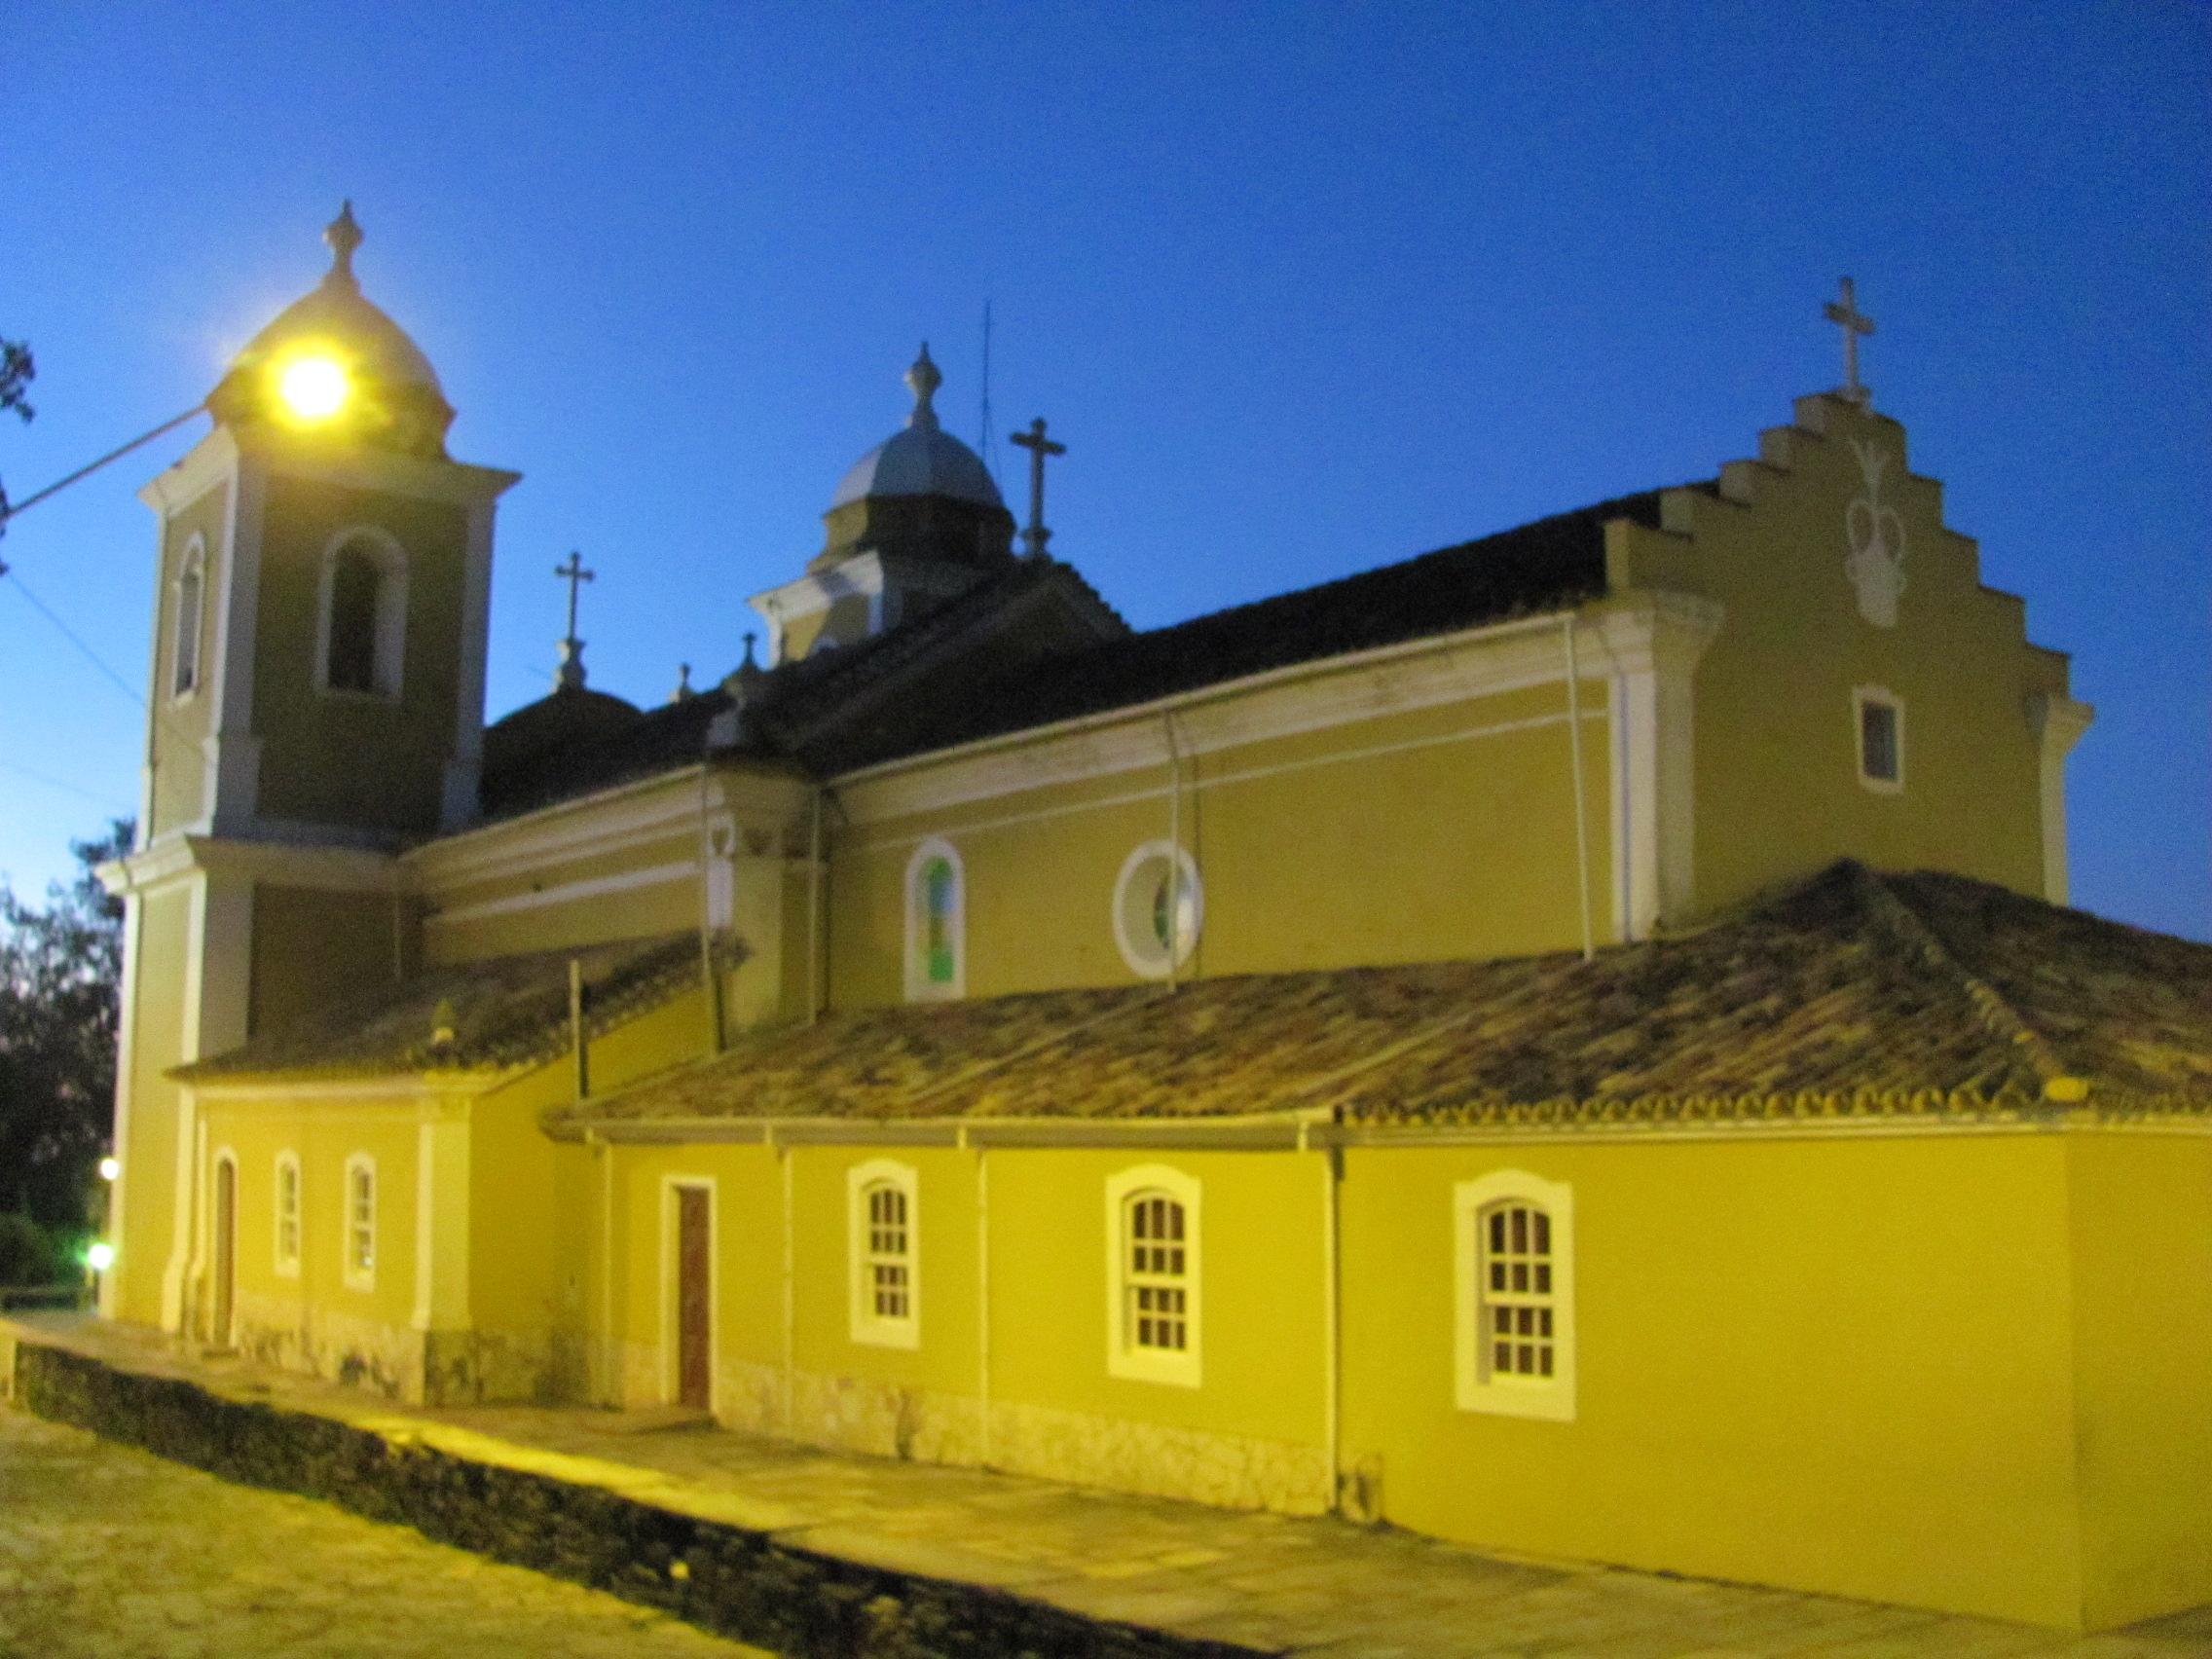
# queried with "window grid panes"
point(889, 1265)
point(287, 1211)
point(1515, 1271)
point(1158, 1256)
point(361, 1221)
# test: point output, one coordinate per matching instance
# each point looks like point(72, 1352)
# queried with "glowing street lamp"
point(100, 1256)
point(110, 1167)
point(312, 385)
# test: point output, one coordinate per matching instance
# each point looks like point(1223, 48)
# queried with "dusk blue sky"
point(1306, 289)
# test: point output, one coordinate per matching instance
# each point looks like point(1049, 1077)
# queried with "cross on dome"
point(571, 670)
point(1845, 314)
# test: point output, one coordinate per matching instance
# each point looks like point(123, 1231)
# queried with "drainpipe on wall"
point(1174, 849)
point(576, 1027)
point(790, 1350)
point(814, 952)
point(1332, 1395)
point(1581, 811)
point(982, 1292)
point(710, 978)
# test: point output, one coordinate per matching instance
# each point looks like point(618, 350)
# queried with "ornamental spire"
point(923, 380)
point(344, 236)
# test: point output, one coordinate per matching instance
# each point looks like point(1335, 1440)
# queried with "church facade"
point(1571, 1043)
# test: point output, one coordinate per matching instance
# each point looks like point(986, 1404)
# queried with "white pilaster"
point(441, 1219)
point(2057, 721)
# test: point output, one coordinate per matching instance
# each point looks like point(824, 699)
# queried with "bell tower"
point(324, 575)
point(323, 572)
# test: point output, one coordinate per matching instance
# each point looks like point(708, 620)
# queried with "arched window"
point(1158, 908)
point(362, 609)
point(1152, 1229)
point(1515, 1279)
point(191, 616)
point(289, 1214)
point(937, 922)
point(885, 1217)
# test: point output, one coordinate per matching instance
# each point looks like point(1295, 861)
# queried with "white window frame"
point(193, 568)
point(1123, 1357)
point(358, 1277)
point(1145, 957)
point(866, 1324)
point(1549, 1397)
point(390, 654)
point(919, 987)
point(671, 1287)
point(1877, 696)
point(287, 1260)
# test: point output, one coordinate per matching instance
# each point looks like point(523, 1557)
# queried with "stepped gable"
point(1853, 995)
point(479, 1016)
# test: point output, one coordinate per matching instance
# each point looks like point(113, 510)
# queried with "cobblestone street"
point(111, 1551)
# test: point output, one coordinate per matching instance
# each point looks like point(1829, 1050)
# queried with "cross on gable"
point(1845, 314)
point(1039, 447)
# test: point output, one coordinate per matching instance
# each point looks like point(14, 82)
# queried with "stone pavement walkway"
point(1268, 1583)
point(109, 1553)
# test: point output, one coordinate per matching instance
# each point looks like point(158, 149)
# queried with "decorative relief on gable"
point(1876, 535)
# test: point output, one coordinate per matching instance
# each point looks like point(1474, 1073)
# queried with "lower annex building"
point(1571, 1043)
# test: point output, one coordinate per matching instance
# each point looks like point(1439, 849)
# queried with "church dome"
point(401, 404)
point(921, 460)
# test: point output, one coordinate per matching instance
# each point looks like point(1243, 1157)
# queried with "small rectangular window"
point(1152, 1290)
point(1881, 739)
point(288, 1214)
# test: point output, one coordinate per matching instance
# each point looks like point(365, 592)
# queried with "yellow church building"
point(1571, 1043)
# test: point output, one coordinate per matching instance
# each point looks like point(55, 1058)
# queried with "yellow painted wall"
point(358, 1336)
point(1778, 794)
point(311, 947)
point(1839, 1365)
point(1257, 1416)
point(148, 1154)
point(1445, 832)
point(568, 902)
point(181, 724)
point(2140, 1222)
point(1262, 1270)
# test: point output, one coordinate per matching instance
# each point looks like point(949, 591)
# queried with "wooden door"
point(226, 1220)
point(694, 1361)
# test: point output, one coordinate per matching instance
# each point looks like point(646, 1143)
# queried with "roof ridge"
point(1912, 930)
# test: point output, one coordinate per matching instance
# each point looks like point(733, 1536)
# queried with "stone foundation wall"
point(727, 1579)
point(851, 1413)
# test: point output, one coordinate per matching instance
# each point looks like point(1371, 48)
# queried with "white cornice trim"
point(199, 470)
point(176, 858)
point(1306, 1131)
point(599, 886)
point(1642, 632)
point(454, 482)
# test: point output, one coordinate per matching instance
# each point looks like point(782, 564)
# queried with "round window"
point(1158, 908)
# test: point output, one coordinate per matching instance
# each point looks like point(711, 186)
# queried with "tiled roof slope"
point(511, 1010)
point(823, 711)
point(1539, 566)
point(1855, 993)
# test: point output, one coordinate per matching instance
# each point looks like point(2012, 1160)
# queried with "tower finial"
point(344, 236)
point(923, 380)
